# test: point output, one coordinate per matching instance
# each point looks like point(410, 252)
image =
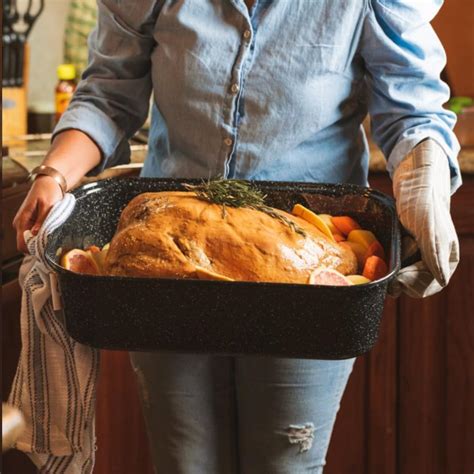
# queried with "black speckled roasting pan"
point(218, 317)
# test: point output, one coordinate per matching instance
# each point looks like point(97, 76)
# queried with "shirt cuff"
point(100, 128)
point(406, 145)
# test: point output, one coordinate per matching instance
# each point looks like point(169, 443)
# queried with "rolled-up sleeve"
point(112, 99)
point(404, 59)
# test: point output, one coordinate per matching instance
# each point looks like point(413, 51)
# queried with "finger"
point(43, 210)
point(23, 221)
point(24, 216)
point(20, 243)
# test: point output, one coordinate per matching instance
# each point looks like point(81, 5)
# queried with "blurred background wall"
point(455, 27)
point(46, 52)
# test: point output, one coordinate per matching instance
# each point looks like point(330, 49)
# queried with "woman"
point(262, 90)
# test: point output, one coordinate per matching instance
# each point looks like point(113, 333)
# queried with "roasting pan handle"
point(410, 253)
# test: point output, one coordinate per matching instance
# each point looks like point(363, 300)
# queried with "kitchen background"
point(409, 404)
point(46, 52)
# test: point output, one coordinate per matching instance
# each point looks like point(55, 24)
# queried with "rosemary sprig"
point(237, 193)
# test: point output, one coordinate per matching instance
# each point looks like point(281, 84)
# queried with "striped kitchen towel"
point(55, 382)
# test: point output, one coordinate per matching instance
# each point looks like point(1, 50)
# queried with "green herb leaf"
point(237, 193)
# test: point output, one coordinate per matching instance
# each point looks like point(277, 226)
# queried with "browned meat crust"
point(171, 234)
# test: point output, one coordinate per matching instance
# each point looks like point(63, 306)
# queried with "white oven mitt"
point(421, 185)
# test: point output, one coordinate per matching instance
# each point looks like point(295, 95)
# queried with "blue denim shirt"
point(278, 92)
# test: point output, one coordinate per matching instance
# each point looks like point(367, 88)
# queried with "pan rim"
point(341, 189)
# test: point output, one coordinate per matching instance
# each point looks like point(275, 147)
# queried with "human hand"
point(44, 193)
point(421, 185)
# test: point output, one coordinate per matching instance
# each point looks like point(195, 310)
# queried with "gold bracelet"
point(53, 173)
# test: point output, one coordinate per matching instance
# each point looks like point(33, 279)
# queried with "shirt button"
point(228, 142)
point(234, 88)
point(247, 34)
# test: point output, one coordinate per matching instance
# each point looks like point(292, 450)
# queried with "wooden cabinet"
point(453, 24)
point(121, 438)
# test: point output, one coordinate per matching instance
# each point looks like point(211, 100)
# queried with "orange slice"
point(363, 237)
point(328, 276)
point(99, 258)
point(327, 219)
point(80, 261)
point(204, 274)
point(358, 279)
point(312, 218)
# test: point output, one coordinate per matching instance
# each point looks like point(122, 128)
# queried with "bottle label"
point(62, 101)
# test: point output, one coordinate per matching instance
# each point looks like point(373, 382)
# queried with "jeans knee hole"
point(302, 435)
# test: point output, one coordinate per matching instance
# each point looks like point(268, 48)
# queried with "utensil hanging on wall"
point(7, 37)
point(17, 26)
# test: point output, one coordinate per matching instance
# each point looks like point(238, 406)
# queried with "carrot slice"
point(345, 224)
point(374, 268)
point(339, 238)
point(375, 248)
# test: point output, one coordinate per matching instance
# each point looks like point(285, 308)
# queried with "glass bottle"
point(65, 88)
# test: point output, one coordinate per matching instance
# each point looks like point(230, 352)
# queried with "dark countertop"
point(30, 153)
point(465, 158)
point(27, 152)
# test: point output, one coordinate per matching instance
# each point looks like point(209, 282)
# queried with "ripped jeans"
point(239, 415)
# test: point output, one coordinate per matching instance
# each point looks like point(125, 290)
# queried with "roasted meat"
point(178, 235)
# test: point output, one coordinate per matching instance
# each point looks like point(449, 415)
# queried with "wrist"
point(45, 182)
point(53, 174)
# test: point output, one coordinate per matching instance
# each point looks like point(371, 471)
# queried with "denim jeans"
point(239, 415)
